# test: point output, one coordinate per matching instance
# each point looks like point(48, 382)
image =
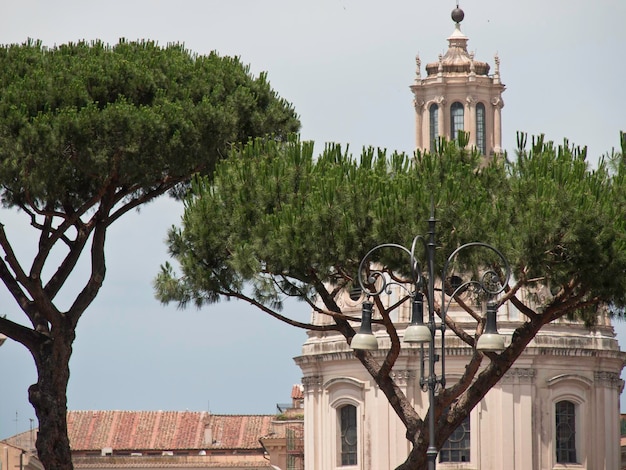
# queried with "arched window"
point(348, 434)
point(480, 129)
point(456, 119)
point(457, 447)
point(433, 113)
point(565, 413)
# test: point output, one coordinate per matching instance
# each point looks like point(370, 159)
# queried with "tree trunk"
point(49, 398)
point(417, 459)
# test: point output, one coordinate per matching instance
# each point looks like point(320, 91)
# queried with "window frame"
point(567, 454)
point(433, 126)
point(344, 391)
point(457, 119)
point(481, 128)
point(348, 453)
point(576, 389)
point(466, 449)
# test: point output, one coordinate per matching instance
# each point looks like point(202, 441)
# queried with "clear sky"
point(346, 65)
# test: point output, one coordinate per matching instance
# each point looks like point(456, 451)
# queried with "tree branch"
point(459, 331)
point(98, 267)
point(23, 335)
point(278, 316)
point(394, 350)
point(53, 286)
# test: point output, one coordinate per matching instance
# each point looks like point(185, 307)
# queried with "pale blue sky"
point(346, 65)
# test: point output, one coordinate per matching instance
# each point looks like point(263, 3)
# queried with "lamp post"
point(490, 284)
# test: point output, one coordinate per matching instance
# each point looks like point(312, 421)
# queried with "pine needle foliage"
point(89, 132)
point(276, 210)
point(278, 221)
point(77, 114)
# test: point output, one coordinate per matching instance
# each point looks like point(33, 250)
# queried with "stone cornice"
point(342, 353)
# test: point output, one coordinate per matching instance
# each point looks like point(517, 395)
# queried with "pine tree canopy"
point(89, 132)
point(78, 117)
point(276, 222)
point(285, 220)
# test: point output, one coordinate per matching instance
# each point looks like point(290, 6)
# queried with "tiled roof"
point(252, 462)
point(238, 431)
point(297, 392)
point(164, 430)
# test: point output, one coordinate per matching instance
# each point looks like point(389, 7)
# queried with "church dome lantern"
point(458, 79)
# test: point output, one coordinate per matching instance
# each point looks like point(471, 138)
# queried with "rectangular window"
point(456, 120)
point(433, 113)
point(480, 129)
point(457, 447)
point(347, 418)
point(565, 432)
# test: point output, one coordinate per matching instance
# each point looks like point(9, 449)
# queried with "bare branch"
point(467, 308)
point(98, 265)
point(278, 316)
point(394, 350)
point(23, 335)
point(459, 331)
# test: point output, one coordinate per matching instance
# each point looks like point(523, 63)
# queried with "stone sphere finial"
point(457, 14)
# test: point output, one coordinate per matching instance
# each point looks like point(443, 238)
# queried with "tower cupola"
point(458, 94)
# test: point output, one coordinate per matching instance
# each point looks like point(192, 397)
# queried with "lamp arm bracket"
point(490, 282)
point(416, 270)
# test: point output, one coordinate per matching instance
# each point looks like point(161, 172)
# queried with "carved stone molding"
point(402, 377)
point(418, 104)
point(519, 375)
point(418, 66)
point(608, 379)
point(497, 102)
point(312, 383)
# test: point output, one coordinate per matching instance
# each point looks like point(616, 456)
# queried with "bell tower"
point(458, 94)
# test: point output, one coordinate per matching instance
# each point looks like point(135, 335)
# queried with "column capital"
point(497, 102)
point(608, 379)
point(312, 383)
point(520, 375)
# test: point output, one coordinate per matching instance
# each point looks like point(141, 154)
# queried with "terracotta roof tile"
point(164, 430)
point(253, 462)
point(297, 392)
point(238, 431)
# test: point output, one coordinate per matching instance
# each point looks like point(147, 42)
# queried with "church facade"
point(556, 408)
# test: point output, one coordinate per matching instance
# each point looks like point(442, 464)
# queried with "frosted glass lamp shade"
point(417, 334)
point(490, 340)
point(417, 331)
point(365, 339)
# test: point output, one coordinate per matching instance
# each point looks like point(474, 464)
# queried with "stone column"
point(605, 452)
point(313, 410)
point(517, 423)
point(443, 115)
point(469, 119)
point(419, 123)
point(498, 104)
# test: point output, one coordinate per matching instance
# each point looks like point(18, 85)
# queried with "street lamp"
point(490, 284)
